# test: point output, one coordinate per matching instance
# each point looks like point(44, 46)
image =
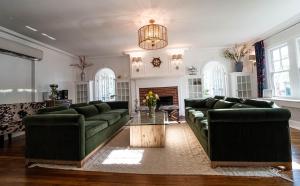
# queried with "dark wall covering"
point(11, 115)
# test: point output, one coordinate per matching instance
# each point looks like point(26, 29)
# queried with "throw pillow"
point(234, 100)
point(103, 107)
point(210, 102)
point(87, 111)
point(221, 104)
point(259, 103)
point(239, 105)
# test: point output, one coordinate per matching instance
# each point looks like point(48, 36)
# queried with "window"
point(215, 79)
point(280, 67)
point(195, 87)
point(105, 85)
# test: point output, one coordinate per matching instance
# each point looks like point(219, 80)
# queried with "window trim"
point(271, 71)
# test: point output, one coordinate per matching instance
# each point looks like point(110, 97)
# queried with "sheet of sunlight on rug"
point(296, 166)
point(126, 156)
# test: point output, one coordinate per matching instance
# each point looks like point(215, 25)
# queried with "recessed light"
point(30, 28)
point(46, 35)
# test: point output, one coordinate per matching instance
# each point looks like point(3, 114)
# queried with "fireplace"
point(167, 95)
point(165, 100)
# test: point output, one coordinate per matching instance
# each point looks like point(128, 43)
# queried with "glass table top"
point(142, 118)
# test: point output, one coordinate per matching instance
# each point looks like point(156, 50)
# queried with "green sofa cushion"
point(103, 107)
point(68, 111)
point(87, 111)
point(93, 127)
point(219, 97)
point(234, 100)
point(259, 103)
point(51, 109)
point(210, 102)
point(196, 114)
point(204, 128)
point(95, 102)
point(122, 112)
point(111, 118)
point(222, 104)
point(78, 105)
point(240, 105)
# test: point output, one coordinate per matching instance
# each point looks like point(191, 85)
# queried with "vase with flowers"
point(237, 54)
point(151, 100)
point(54, 92)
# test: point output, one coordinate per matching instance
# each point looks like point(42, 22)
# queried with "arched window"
point(214, 79)
point(105, 85)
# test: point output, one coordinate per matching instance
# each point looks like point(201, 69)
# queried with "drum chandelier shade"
point(153, 36)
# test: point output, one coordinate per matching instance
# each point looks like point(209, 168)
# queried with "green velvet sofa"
point(237, 132)
point(64, 135)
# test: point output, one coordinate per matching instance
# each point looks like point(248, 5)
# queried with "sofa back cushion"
point(51, 109)
point(87, 111)
point(219, 97)
point(210, 102)
point(259, 103)
point(234, 100)
point(95, 102)
point(240, 105)
point(103, 107)
point(68, 111)
point(221, 104)
point(78, 105)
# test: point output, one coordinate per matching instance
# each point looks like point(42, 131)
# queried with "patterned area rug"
point(182, 155)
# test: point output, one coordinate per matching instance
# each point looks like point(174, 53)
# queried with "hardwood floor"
point(13, 172)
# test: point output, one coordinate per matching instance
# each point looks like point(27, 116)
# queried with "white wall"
point(121, 66)
point(54, 68)
point(289, 37)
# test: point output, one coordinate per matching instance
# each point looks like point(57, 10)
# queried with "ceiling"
point(109, 27)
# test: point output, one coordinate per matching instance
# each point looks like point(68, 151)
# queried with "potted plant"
point(151, 100)
point(236, 54)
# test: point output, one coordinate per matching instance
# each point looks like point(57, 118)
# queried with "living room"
point(147, 92)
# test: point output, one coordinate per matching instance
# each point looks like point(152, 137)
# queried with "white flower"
point(156, 96)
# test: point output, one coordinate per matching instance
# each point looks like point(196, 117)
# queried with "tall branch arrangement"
point(238, 52)
point(82, 63)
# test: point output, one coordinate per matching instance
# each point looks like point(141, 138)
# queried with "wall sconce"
point(176, 60)
point(138, 62)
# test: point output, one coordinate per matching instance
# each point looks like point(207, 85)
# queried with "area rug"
point(182, 155)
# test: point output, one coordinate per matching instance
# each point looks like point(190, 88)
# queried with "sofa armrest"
point(55, 137)
point(249, 135)
point(118, 104)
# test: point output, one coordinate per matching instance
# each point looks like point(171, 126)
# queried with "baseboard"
point(295, 124)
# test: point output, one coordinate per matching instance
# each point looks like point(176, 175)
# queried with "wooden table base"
point(147, 136)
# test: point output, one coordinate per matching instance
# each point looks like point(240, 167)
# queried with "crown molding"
point(31, 40)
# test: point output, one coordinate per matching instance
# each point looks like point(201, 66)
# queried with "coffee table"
point(148, 131)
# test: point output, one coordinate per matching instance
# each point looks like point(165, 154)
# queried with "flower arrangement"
point(151, 99)
point(54, 91)
point(238, 52)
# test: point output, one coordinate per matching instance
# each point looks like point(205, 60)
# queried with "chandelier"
point(153, 36)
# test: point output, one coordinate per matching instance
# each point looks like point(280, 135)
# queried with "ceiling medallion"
point(153, 36)
point(156, 62)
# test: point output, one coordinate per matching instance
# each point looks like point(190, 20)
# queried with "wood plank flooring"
point(13, 172)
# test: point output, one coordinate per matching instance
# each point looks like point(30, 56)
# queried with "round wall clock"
point(156, 62)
